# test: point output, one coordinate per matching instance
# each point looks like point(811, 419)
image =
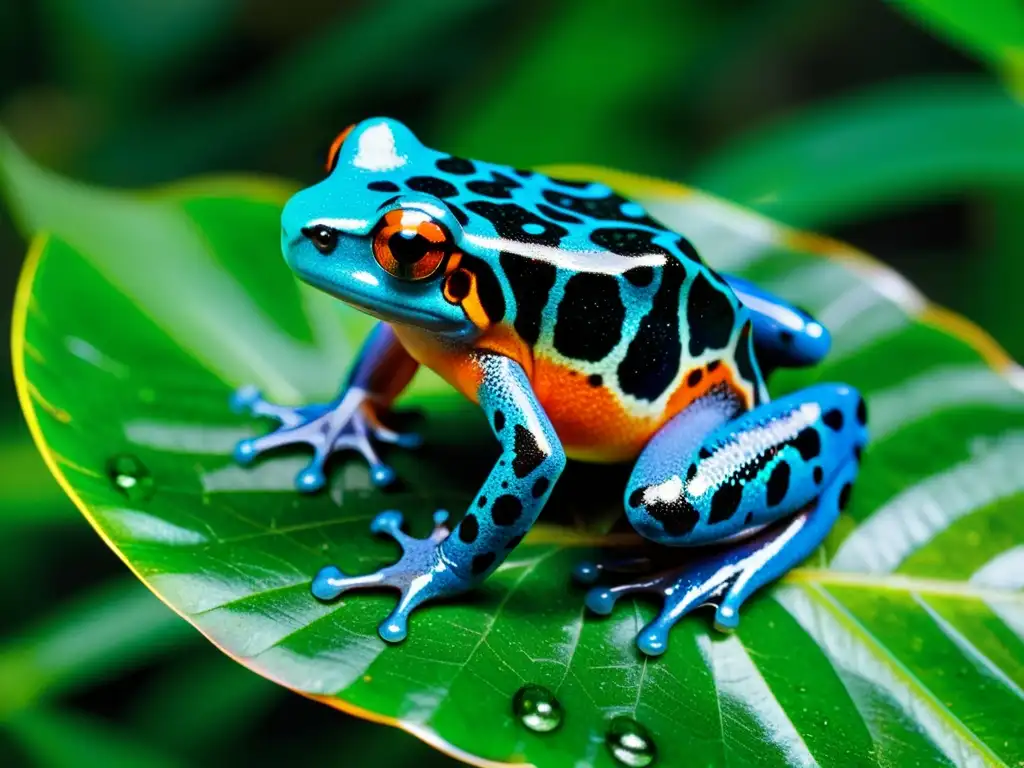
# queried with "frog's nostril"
point(324, 239)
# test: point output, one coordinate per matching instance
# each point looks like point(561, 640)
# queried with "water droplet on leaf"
point(630, 743)
point(537, 708)
point(130, 476)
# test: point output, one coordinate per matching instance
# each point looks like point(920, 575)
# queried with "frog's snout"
point(285, 241)
point(294, 218)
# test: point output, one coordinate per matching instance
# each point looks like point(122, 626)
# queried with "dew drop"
point(537, 708)
point(630, 743)
point(130, 476)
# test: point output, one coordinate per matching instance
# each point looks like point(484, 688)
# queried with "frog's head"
point(367, 237)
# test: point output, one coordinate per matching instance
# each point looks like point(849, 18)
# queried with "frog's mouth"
point(388, 310)
point(395, 313)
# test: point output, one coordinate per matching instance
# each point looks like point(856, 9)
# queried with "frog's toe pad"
point(328, 583)
point(382, 475)
point(311, 479)
point(727, 618)
point(244, 398)
point(586, 573)
point(601, 601)
point(245, 452)
point(409, 440)
point(394, 628)
point(652, 641)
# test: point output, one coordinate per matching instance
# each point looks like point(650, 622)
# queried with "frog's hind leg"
point(785, 336)
point(725, 578)
point(764, 489)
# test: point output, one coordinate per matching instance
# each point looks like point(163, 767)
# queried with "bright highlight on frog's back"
point(616, 320)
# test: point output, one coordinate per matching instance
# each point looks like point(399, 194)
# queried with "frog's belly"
point(596, 424)
point(591, 421)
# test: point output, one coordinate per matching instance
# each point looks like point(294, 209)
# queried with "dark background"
point(135, 93)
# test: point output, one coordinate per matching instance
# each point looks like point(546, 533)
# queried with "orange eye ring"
point(332, 153)
point(409, 245)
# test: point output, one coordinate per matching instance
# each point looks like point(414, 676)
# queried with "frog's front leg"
point(502, 512)
point(349, 422)
point(764, 488)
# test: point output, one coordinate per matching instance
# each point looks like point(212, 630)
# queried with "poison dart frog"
point(585, 329)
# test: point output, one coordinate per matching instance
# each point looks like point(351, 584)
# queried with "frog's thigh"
point(701, 481)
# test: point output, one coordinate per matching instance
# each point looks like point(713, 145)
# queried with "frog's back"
point(616, 319)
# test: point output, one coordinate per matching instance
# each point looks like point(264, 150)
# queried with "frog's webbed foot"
point(682, 590)
point(727, 575)
point(420, 573)
point(351, 423)
point(722, 577)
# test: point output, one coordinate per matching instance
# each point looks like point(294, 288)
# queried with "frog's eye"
point(409, 245)
point(324, 239)
point(332, 153)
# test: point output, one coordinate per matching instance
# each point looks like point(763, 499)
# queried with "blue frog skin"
point(583, 329)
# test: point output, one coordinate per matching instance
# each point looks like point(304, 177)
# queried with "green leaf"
point(894, 144)
point(993, 29)
point(898, 643)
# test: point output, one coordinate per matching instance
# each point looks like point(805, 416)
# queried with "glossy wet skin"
point(582, 328)
point(568, 274)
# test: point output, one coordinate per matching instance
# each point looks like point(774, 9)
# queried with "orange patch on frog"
point(458, 363)
point(451, 362)
point(590, 420)
point(502, 340)
point(332, 153)
point(696, 383)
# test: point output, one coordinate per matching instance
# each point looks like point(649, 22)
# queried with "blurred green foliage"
point(993, 29)
point(890, 124)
